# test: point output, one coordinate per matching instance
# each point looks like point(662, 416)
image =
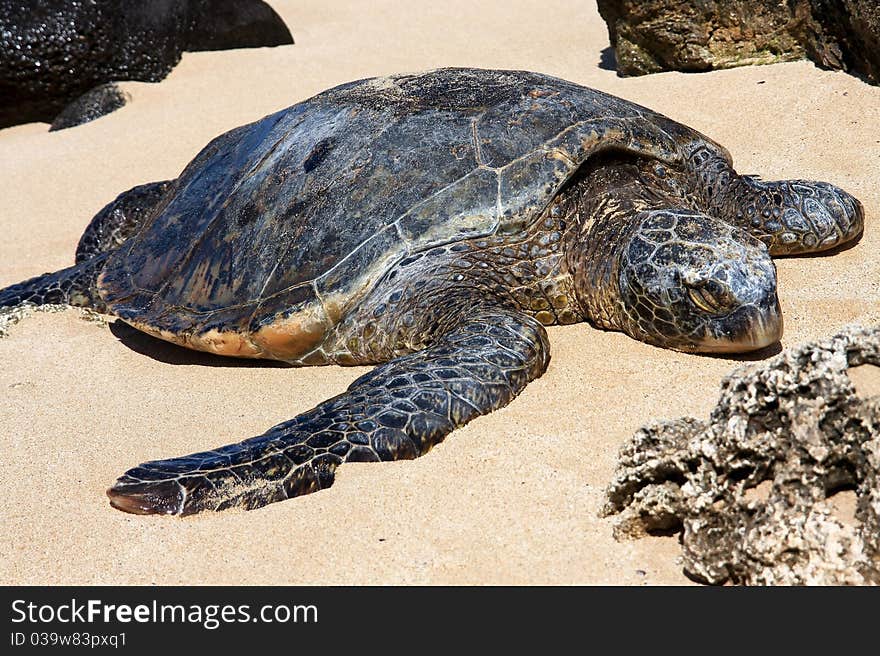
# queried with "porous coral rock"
point(757, 489)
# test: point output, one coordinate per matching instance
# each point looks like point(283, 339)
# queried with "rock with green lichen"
point(701, 35)
point(780, 485)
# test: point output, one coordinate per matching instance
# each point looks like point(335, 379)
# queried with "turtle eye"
point(710, 296)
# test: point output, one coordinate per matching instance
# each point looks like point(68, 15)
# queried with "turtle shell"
point(277, 228)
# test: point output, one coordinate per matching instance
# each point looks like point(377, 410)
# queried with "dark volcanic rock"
point(699, 35)
point(54, 51)
point(848, 36)
point(761, 490)
point(91, 105)
point(225, 24)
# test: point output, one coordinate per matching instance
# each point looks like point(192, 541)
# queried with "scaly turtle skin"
point(432, 224)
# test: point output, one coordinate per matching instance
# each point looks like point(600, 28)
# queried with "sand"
point(511, 498)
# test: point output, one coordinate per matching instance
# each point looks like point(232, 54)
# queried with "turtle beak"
point(750, 328)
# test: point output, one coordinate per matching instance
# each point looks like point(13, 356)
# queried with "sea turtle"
point(432, 224)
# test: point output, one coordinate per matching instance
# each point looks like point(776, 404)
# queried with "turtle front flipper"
point(397, 411)
point(792, 217)
point(76, 285)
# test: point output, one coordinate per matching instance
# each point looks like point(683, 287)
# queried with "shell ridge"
point(205, 232)
point(475, 137)
point(434, 195)
point(354, 252)
point(544, 146)
point(283, 256)
point(269, 152)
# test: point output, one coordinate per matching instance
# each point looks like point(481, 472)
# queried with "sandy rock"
point(700, 35)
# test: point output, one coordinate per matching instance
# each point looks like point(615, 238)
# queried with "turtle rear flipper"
point(111, 226)
point(121, 218)
point(397, 411)
point(76, 285)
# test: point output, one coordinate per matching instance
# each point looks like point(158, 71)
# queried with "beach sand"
point(511, 498)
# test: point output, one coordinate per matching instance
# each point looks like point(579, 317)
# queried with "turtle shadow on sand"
point(608, 59)
point(750, 356)
point(162, 351)
point(831, 252)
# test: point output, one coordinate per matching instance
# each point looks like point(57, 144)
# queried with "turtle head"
point(689, 282)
